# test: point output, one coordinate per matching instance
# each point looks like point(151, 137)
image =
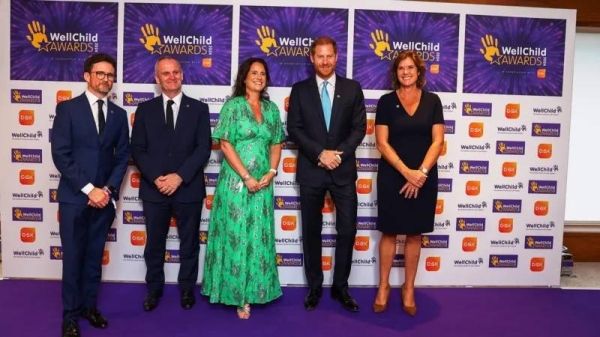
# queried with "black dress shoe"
point(345, 299)
point(70, 329)
point(312, 299)
point(151, 300)
point(95, 318)
point(187, 299)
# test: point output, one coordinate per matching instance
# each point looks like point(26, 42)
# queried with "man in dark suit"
point(90, 149)
point(327, 119)
point(170, 144)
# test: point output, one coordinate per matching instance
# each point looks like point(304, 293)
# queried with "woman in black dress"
point(409, 128)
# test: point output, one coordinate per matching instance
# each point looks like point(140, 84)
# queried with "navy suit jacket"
point(306, 126)
point(157, 152)
point(81, 156)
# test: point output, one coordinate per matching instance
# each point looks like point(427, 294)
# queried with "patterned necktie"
point(101, 119)
point(170, 121)
point(326, 102)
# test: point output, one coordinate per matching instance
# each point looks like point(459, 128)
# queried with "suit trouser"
point(311, 205)
point(158, 217)
point(83, 231)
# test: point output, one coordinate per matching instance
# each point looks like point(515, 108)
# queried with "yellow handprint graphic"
point(151, 38)
point(38, 34)
point(501, 147)
point(17, 96)
point(267, 39)
point(490, 47)
point(128, 98)
point(468, 108)
point(381, 42)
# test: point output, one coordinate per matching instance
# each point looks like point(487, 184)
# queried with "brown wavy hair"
point(413, 55)
point(239, 88)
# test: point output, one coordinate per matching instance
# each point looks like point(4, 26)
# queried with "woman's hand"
point(265, 181)
point(415, 177)
point(409, 190)
point(252, 184)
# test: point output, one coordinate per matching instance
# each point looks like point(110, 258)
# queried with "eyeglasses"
point(101, 75)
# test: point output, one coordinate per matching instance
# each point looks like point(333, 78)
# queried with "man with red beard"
point(327, 119)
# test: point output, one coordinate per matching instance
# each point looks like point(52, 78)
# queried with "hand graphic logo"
point(490, 47)
point(17, 155)
point(468, 108)
point(17, 96)
point(151, 38)
point(38, 34)
point(128, 98)
point(501, 147)
point(18, 213)
point(267, 39)
point(381, 42)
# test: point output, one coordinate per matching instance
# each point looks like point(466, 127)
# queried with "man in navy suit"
point(327, 119)
point(170, 144)
point(90, 149)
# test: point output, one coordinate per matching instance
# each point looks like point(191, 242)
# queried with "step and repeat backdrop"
point(504, 76)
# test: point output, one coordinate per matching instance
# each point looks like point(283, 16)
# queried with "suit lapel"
point(335, 108)
point(88, 116)
point(313, 89)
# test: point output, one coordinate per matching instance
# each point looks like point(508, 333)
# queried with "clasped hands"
point(415, 180)
point(98, 198)
point(330, 159)
point(168, 184)
point(254, 185)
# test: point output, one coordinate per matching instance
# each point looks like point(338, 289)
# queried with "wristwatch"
point(424, 170)
point(274, 171)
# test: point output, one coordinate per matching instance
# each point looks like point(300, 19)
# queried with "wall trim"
point(582, 227)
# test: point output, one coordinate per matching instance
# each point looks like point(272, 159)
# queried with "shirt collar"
point(92, 99)
point(176, 99)
point(331, 81)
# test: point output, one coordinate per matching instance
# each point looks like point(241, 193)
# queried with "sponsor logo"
point(545, 130)
point(509, 187)
point(131, 199)
point(56, 253)
point(474, 166)
point(507, 206)
point(137, 238)
point(210, 179)
point(27, 196)
point(539, 242)
point(367, 164)
point(510, 147)
point(370, 126)
point(474, 109)
point(505, 225)
point(478, 262)
point(131, 98)
point(433, 263)
point(112, 235)
point(435, 241)
point(285, 183)
point(134, 179)
point(208, 202)
point(537, 264)
point(105, 258)
point(289, 164)
point(367, 204)
point(445, 185)
point(287, 203)
point(28, 254)
point(542, 187)
point(53, 195)
point(214, 119)
point(203, 237)
point(442, 224)
point(399, 261)
point(544, 151)
point(475, 130)
point(473, 187)
point(548, 111)
point(288, 144)
point(512, 110)
point(504, 243)
point(26, 117)
point(30, 214)
point(289, 259)
point(326, 263)
point(26, 96)
point(289, 222)
point(361, 243)
point(448, 167)
point(172, 256)
point(504, 261)
point(540, 226)
point(63, 95)
point(475, 147)
point(133, 257)
point(291, 241)
point(364, 262)
point(33, 156)
point(328, 224)
point(328, 240)
point(439, 206)
point(451, 107)
point(367, 145)
point(543, 169)
point(470, 224)
point(469, 244)
point(328, 206)
point(27, 135)
point(512, 130)
point(364, 186)
point(509, 169)
point(133, 218)
point(366, 223)
point(472, 206)
point(450, 127)
point(540, 208)
point(27, 234)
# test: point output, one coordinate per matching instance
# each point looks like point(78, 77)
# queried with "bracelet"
point(246, 177)
point(396, 162)
point(274, 171)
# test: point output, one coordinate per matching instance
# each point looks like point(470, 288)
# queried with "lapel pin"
point(397, 106)
point(187, 105)
point(338, 96)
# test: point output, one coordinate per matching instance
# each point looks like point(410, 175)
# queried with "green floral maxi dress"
point(240, 265)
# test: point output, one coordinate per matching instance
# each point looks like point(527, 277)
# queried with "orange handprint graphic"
point(151, 39)
point(38, 34)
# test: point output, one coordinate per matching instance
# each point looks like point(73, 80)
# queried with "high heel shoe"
point(379, 308)
point(411, 311)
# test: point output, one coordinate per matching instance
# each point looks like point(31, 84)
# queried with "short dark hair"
point(320, 41)
point(421, 81)
point(239, 88)
point(97, 58)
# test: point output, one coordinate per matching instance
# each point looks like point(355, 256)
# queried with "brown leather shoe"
point(411, 311)
point(379, 308)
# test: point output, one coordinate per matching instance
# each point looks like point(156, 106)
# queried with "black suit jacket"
point(81, 156)
point(185, 152)
point(306, 126)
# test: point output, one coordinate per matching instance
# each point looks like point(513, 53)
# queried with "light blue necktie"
point(326, 102)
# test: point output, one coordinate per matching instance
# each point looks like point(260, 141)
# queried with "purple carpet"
point(33, 309)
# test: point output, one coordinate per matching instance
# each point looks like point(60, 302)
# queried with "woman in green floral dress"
point(240, 266)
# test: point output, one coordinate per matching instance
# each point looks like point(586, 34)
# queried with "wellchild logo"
point(36, 196)
point(112, 235)
point(399, 261)
point(504, 243)
point(539, 242)
point(366, 223)
point(442, 225)
point(428, 51)
point(548, 111)
point(510, 147)
point(26, 96)
point(445, 185)
point(133, 218)
point(508, 55)
point(449, 127)
point(210, 179)
point(172, 256)
point(28, 254)
point(30, 214)
point(214, 119)
point(328, 240)
point(542, 187)
point(470, 224)
point(485, 147)
point(545, 130)
point(287, 203)
point(203, 237)
point(56, 253)
point(289, 144)
point(509, 187)
point(507, 206)
point(540, 226)
point(27, 156)
point(27, 135)
point(364, 262)
point(175, 45)
point(60, 42)
point(451, 107)
point(132, 98)
point(543, 169)
point(282, 46)
point(475, 109)
point(474, 166)
point(448, 167)
point(435, 241)
point(289, 259)
point(367, 164)
point(512, 130)
point(472, 206)
point(504, 261)
point(478, 262)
